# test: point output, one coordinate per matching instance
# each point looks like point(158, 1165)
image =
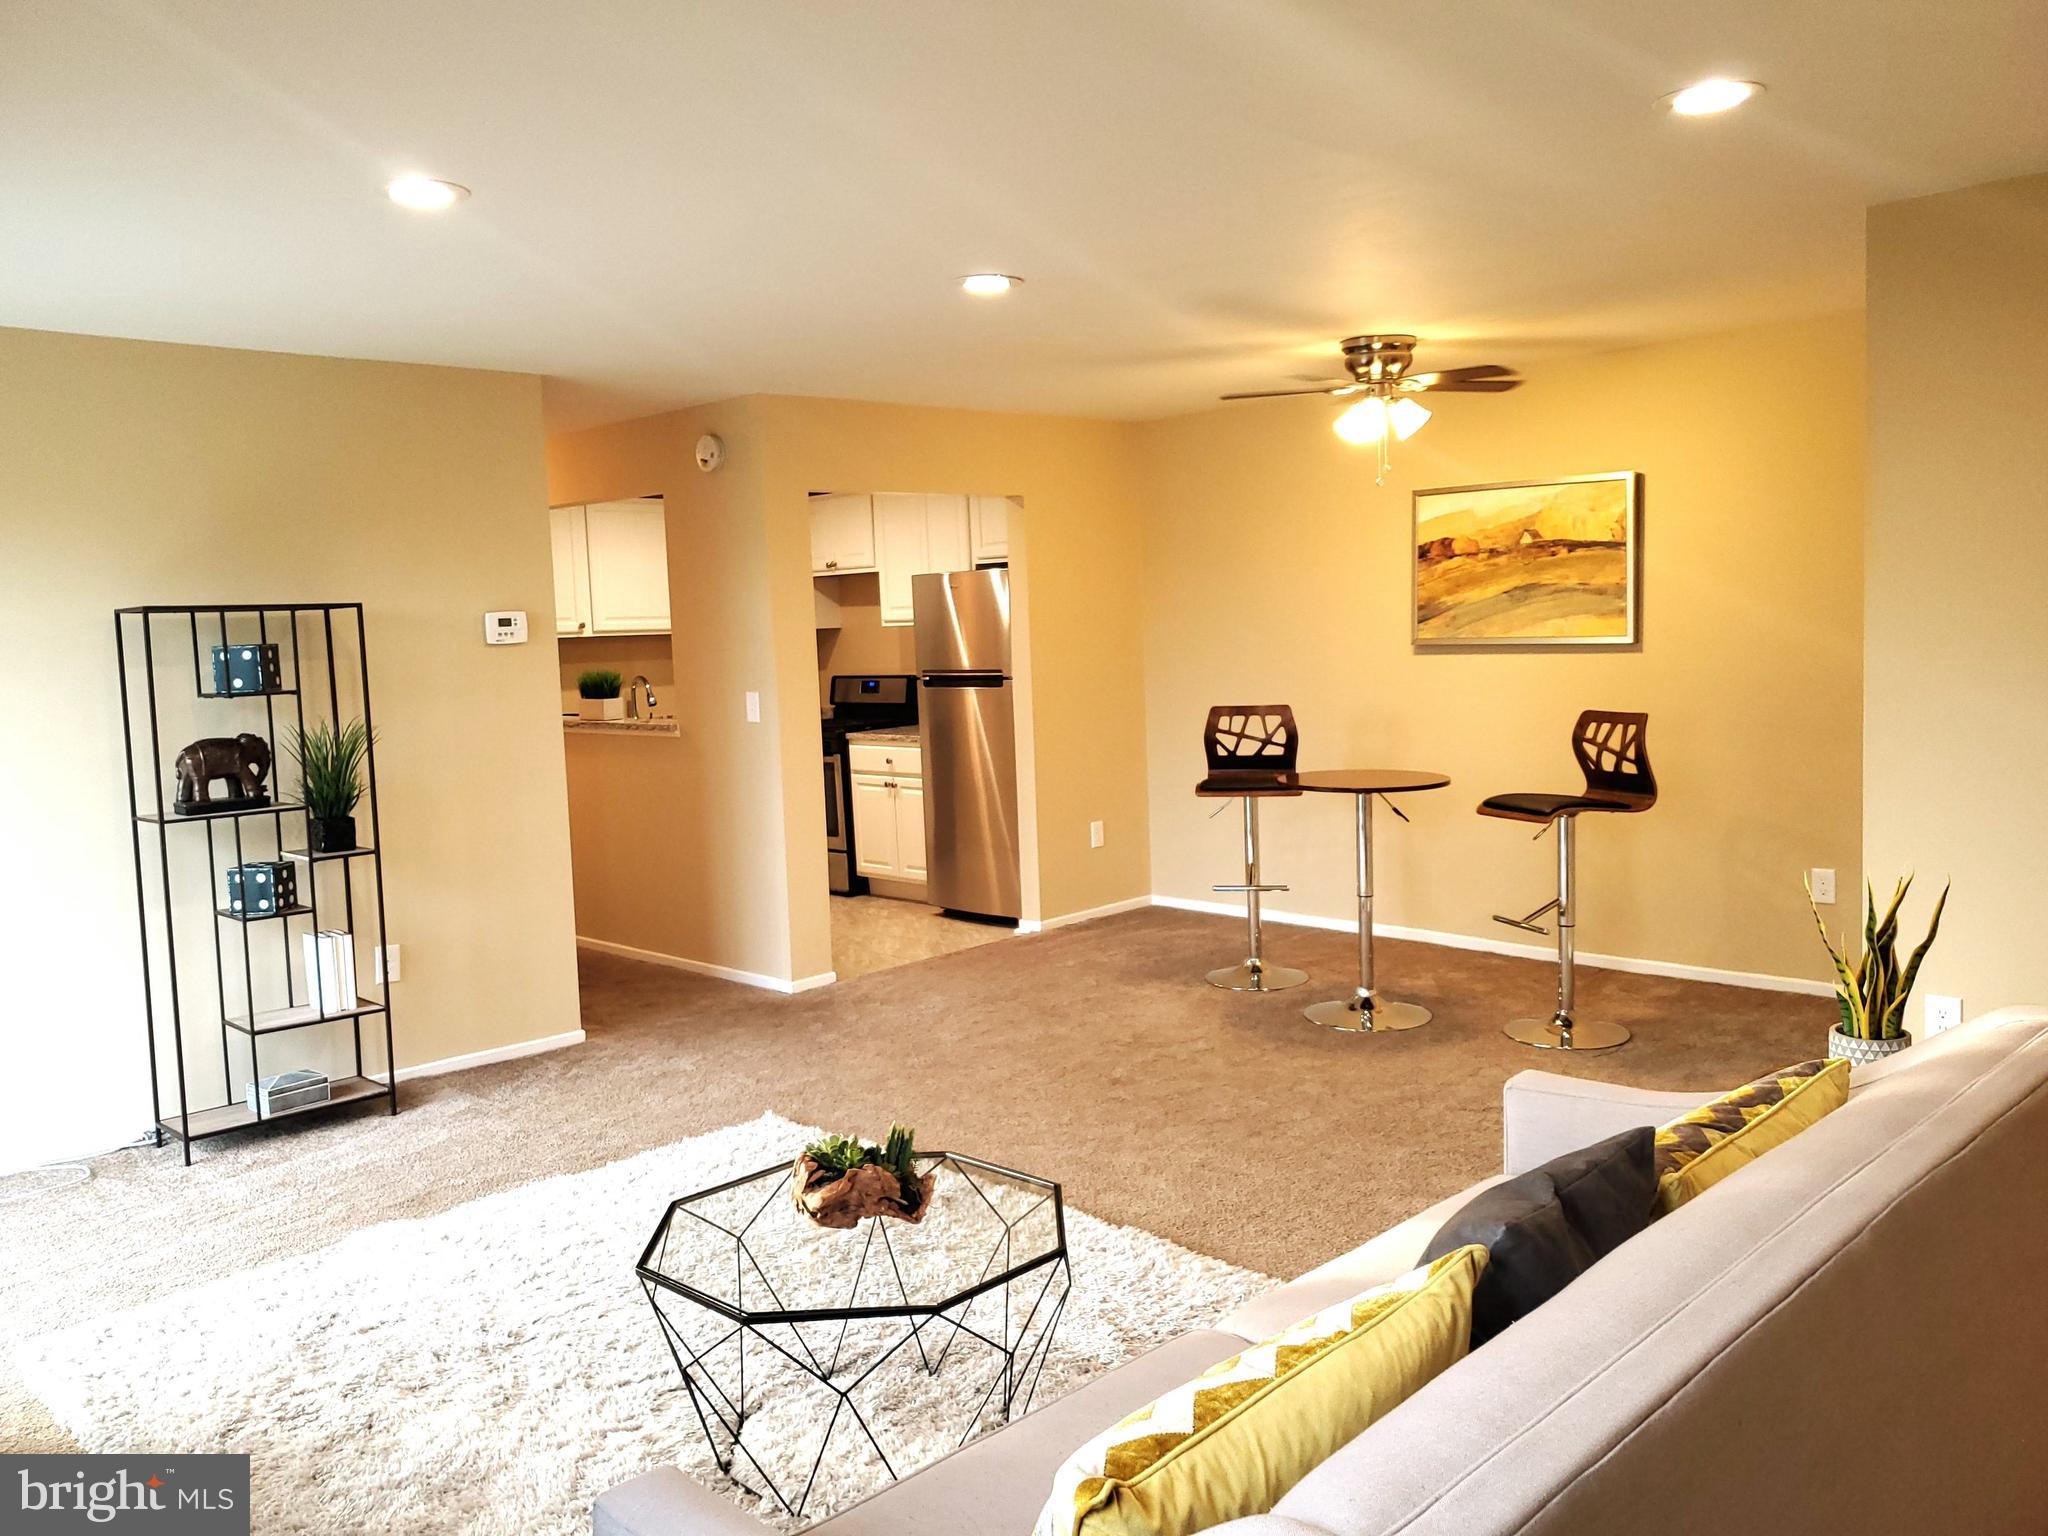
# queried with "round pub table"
point(1365, 1011)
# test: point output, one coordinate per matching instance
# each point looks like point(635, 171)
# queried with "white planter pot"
point(1863, 1052)
point(603, 709)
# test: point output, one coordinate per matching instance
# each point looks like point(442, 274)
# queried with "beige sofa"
point(1850, 1334)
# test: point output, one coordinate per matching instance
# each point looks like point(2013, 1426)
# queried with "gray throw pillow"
point(1544, 1228)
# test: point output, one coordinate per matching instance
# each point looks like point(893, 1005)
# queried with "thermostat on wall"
point(505, 628)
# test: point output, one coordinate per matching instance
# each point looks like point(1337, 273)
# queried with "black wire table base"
point(1016, 1355)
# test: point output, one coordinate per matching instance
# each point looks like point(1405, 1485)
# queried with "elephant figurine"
point(245, 759)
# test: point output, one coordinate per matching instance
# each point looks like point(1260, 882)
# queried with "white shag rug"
point(496, 1367)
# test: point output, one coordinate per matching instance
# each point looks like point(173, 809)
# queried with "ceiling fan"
point(1380, 375)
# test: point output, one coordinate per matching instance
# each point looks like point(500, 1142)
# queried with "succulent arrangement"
point(599, 683)
point(840, 1179)
point(1872, 994)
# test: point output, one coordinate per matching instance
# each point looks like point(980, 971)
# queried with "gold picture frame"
point(1531, 564)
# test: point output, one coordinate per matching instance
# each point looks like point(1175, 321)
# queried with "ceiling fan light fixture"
point(986, 285)
point(1365, 422)
point(1704, 98)
point(424, 194)
point(1407, 417)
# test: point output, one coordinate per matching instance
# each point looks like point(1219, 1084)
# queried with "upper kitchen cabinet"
point(611, 568)
point(572, 571)
point(990, 531)
point(842, 534)
point(916, 534)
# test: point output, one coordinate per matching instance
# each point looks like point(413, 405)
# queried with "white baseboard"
point(1629, 963)
point(706, 968)
point(1068, 919)
point(567, 1037)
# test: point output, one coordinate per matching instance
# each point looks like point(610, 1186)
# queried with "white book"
point(330, 966)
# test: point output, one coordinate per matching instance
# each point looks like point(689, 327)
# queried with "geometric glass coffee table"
point(769, 1316)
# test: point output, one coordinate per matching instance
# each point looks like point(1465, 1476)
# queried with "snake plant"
point(1872, 995)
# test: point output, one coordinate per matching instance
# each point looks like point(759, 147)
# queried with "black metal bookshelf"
point(243, 1001)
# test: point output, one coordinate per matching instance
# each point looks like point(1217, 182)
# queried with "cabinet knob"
point(831, 565)
point(583, 626)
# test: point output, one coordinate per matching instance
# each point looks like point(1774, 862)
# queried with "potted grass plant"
point(1872, 994)
point(330, 759)
point(599, 689)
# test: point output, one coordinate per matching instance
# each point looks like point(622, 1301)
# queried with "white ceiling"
point(678, 200)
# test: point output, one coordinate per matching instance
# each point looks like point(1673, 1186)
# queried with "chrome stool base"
point(1246, 977)
point(1359, 1015)
point(1583, 1035)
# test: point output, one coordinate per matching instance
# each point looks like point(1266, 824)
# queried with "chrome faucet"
point(634, 689)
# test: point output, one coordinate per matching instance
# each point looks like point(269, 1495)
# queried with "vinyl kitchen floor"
point(878, 933)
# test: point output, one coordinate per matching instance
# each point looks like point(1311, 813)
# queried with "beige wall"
point(136, 472)
point(1956, 653)
point(1276, 570)
point(861, 643)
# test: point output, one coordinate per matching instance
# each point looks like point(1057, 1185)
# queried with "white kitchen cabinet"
point(572, 571)
point(888, 827)
point(627, 544)
point(842, 534)
point(916, 534)
point(990, 528)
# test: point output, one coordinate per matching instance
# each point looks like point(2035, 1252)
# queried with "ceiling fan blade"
point(1460, 375)
point(1275, 394)
point(1471, 386)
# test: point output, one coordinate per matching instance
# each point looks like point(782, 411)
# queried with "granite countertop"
point(888, 736)
point(660, 725)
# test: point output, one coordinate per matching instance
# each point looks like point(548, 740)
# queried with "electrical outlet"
point(1823, 883)
point(753, 708)
point(1942, 1013)
point(1094, 834)
point(387, 958)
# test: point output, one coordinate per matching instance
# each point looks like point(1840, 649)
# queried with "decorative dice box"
point(246, 669)
point(261, 890)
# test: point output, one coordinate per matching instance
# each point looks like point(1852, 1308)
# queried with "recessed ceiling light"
point(987, 284)
point(1710, 96)
point(424, 194)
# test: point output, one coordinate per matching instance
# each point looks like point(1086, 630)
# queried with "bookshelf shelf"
point(207, 1024)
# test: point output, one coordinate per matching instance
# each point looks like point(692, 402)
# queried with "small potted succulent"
point(599, 689)
point(330, 759)
point(839, 1180)
point(1872, 994)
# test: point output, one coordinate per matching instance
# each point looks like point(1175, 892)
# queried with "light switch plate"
point(507, 627)
point(1942, 1013)
point(753, 708)
point(1094, 834)
point(1822, 882)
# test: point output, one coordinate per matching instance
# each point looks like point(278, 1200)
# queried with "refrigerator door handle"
point(962, 680)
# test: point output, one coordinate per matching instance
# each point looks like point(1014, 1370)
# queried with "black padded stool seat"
point(1525, 807)
point(1609, 746)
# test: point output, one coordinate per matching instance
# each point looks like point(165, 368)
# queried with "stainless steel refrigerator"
point(967, 705)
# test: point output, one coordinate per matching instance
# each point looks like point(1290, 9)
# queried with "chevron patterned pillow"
point(1232, 1441)
point(1707, 1144)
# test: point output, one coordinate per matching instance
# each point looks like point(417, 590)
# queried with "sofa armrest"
point(1546, 1114)
point(663, 1502)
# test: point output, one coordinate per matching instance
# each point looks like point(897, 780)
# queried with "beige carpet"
point(1094, 1054)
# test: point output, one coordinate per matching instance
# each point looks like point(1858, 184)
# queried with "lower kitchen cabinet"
point(888, 827)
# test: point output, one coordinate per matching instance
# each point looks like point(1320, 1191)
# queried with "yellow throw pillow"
point(1237, 1437)
point(1705, 1146)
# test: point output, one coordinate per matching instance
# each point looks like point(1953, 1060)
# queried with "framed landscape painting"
point(1531, 563)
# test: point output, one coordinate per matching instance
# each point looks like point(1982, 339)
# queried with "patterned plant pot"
point(1863, 1052)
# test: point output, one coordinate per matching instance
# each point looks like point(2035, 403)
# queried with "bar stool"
point(1609, 745)
point(1252, 749)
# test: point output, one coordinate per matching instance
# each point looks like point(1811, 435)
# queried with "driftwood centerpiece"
point(840, 1179)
